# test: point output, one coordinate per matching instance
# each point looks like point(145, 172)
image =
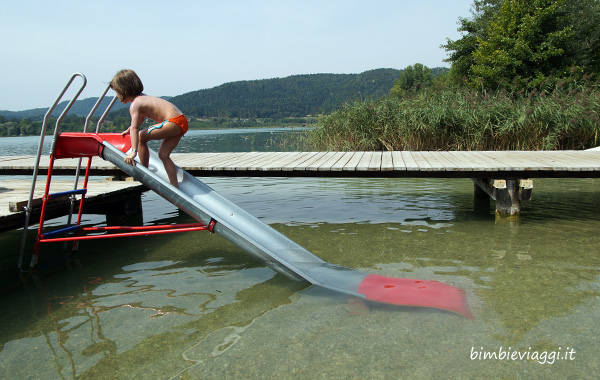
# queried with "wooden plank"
point(229, 161)
point(342, 162)
point(242, 162)
point(333, 160)
point(375, 164)
point(491, 164)
point(12, 158)
point(436, 161)
point(579, 160)
point(17, 206)
point(452, 163)
point(465, 160)
point(365, 161)
point(524, 162)
point(387, 161)
point(300, 159)
point(279, 163)
point(422, 162)
point(353, 162)
point(397, 161)
point(410, 162)
point(17, 191)
point(196, 161)
point(222, 160)
point(558, 162)
point(315, 157)
point(315, 165)
point(269, 159)
point(519, 160)
point(537, 161)
point(262, 159)
point(503, 165)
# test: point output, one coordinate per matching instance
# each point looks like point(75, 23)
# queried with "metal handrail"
point(88, 119)
point(85, 128)
point(108, 108)
point(28, 208)
point(64, 113)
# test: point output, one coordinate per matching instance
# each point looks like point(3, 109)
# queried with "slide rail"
point(28, 207)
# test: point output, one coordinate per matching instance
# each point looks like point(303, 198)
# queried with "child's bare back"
point(154, 108)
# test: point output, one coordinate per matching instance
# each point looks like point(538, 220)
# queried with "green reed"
point(445, 118)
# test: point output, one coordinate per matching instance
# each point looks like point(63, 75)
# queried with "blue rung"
point(65, 193)
point(61, 231)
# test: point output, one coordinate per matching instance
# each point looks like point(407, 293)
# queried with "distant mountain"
point(293, 96)
point(80, 108)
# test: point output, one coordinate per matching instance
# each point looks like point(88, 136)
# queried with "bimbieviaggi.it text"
point(542, 357)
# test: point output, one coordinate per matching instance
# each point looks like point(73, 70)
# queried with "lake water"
point(193, 306)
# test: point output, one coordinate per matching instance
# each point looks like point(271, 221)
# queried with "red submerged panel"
point(73, 145)
point(403, 291)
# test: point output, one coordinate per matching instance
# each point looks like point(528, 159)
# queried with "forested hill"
point(293, 96)
point(79, 108)
point(296, 96)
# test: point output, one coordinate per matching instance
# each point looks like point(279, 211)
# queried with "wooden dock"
point(460, 164)
point(504, 176)
point(111, 198)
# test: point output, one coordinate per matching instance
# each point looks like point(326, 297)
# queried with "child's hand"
point(125, 132)
point(129, 158)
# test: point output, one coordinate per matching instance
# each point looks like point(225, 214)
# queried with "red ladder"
point(77, 145)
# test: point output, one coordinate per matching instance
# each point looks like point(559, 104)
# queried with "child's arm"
point(133, 131)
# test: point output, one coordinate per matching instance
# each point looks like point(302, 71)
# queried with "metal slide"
point(265, 243)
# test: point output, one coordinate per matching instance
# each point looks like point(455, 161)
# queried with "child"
point(172, 124)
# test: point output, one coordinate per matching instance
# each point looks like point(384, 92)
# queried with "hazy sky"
point(179, 46)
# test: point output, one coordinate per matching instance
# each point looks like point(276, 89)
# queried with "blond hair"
point(127, 83)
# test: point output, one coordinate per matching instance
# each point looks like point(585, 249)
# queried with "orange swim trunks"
point(180, 120)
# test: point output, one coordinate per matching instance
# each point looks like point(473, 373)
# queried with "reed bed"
point(464, 119)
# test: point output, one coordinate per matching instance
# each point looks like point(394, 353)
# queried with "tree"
point(520, 44)
point(412, 78)
point(474, 30)
point(526, 43)
point(585, 18)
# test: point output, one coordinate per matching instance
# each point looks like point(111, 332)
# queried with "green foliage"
point(80, 108)
point(226, 123)
point(529, 66)
point(294, 96)
point(257, 103)
point(413, 78)
point(26, 127)
point(519, 44)
point(460, 118)
point(473, 31)
point(525, 44)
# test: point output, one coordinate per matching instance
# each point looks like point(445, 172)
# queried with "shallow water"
point(193, 306)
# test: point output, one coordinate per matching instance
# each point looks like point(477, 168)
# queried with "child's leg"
point(143, 153)
point(170, 133)
point(164, 153)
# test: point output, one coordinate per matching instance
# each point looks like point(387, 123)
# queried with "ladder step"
point(60, 231)
point(66, 193)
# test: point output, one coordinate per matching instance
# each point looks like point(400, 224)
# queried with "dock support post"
point(508, 194)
